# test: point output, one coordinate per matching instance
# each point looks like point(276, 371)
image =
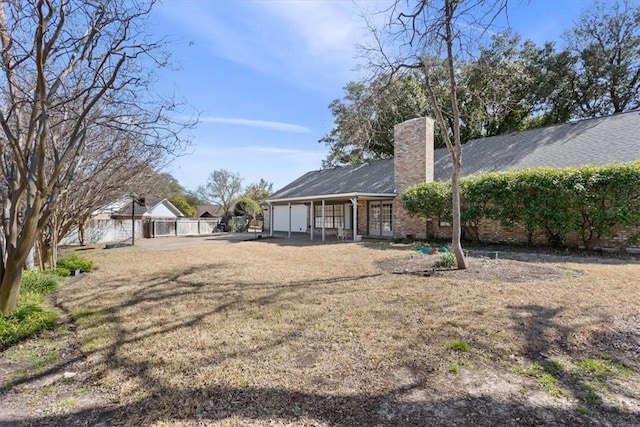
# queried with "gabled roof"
point(150, 205)
point(209, 211)
point(599, 141)
point(373, 177)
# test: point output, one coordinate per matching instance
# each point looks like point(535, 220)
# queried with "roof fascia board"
point(330, 197)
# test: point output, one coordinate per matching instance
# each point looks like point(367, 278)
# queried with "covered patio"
point(346, 202)
point(347, 216)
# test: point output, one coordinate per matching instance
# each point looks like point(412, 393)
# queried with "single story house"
point(365, 199)
point(209, 211)
point(112, 222)
point(151, 209)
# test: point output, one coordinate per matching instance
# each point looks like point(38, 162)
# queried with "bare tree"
point(113, 165)
point(70, 68)
point(432, 36)
point(223, 189)
point(258, 191)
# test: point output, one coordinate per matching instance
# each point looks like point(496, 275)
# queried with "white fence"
point(104, 231)
point(116, 230)
point(181, 227)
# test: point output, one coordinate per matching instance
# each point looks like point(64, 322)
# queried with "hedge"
point(589, 200)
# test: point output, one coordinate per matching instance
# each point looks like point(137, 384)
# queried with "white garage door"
point(299, 217)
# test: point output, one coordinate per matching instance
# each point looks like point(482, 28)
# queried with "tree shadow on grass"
point(266, 405)
point(416, 404)
point(161, 289)
point(599, 375)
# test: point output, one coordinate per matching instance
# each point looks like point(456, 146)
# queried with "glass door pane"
point(374, 218)
point(386, 219)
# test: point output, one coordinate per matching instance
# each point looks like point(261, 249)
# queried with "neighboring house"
point(152, 209)
point(367, 197)
point(112, 222)
point(209, 211)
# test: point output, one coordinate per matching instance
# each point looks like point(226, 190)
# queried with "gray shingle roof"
point(373, 177)
point(599, 141)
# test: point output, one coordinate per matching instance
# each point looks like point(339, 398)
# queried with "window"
point(333, 216)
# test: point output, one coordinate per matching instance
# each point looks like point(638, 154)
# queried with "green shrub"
point(39, 283)
point(62, 272)
point(591, 201)
point(31, 316)
point(459, 345)
point(248, 208)
point(74, 262)
point(446, 260)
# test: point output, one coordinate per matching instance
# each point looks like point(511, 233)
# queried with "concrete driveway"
point(167, 243)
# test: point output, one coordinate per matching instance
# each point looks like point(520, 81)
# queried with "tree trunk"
point(456, 244)
point(81, 240)
point(10, 288)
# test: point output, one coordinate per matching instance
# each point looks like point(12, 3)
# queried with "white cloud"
point(263, 124)
point(252, 162)
point(272, 152)
point(311, 43)
point(283, 151)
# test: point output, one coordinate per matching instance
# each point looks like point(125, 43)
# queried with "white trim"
point(332, 197)
point(312, 220)
point(354, 220)
point(323, 206)
point(289, 219)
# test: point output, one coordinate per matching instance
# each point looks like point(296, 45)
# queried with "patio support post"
point(323, 220)
point(270, 220)
point(354, 220)
point(289, 220)
point(312, 218)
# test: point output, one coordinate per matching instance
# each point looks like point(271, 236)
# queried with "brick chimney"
point(413, 164)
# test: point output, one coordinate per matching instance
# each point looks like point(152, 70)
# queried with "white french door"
point(380, 217)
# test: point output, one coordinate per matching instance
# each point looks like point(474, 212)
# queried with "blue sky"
point(261, 75)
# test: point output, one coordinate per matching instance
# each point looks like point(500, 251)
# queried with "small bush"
point(446, 260)
point(459, 345)
point(39, 283)
point(32, 316)
point(62, 272)
point(74, 262)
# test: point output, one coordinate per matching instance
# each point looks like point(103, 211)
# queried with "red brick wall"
point(493, 232)
point(413, 164)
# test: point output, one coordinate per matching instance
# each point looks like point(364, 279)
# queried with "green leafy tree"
point(364, 118)
point(167, 186)
point(183, 206)
point(247, 207)
point(606, 43)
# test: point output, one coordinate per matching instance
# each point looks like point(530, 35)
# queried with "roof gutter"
point(330, 197)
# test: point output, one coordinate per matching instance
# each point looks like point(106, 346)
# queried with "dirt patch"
point(478, 269)
point(279, 333)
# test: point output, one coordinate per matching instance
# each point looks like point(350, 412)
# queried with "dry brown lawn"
point(272, 333)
